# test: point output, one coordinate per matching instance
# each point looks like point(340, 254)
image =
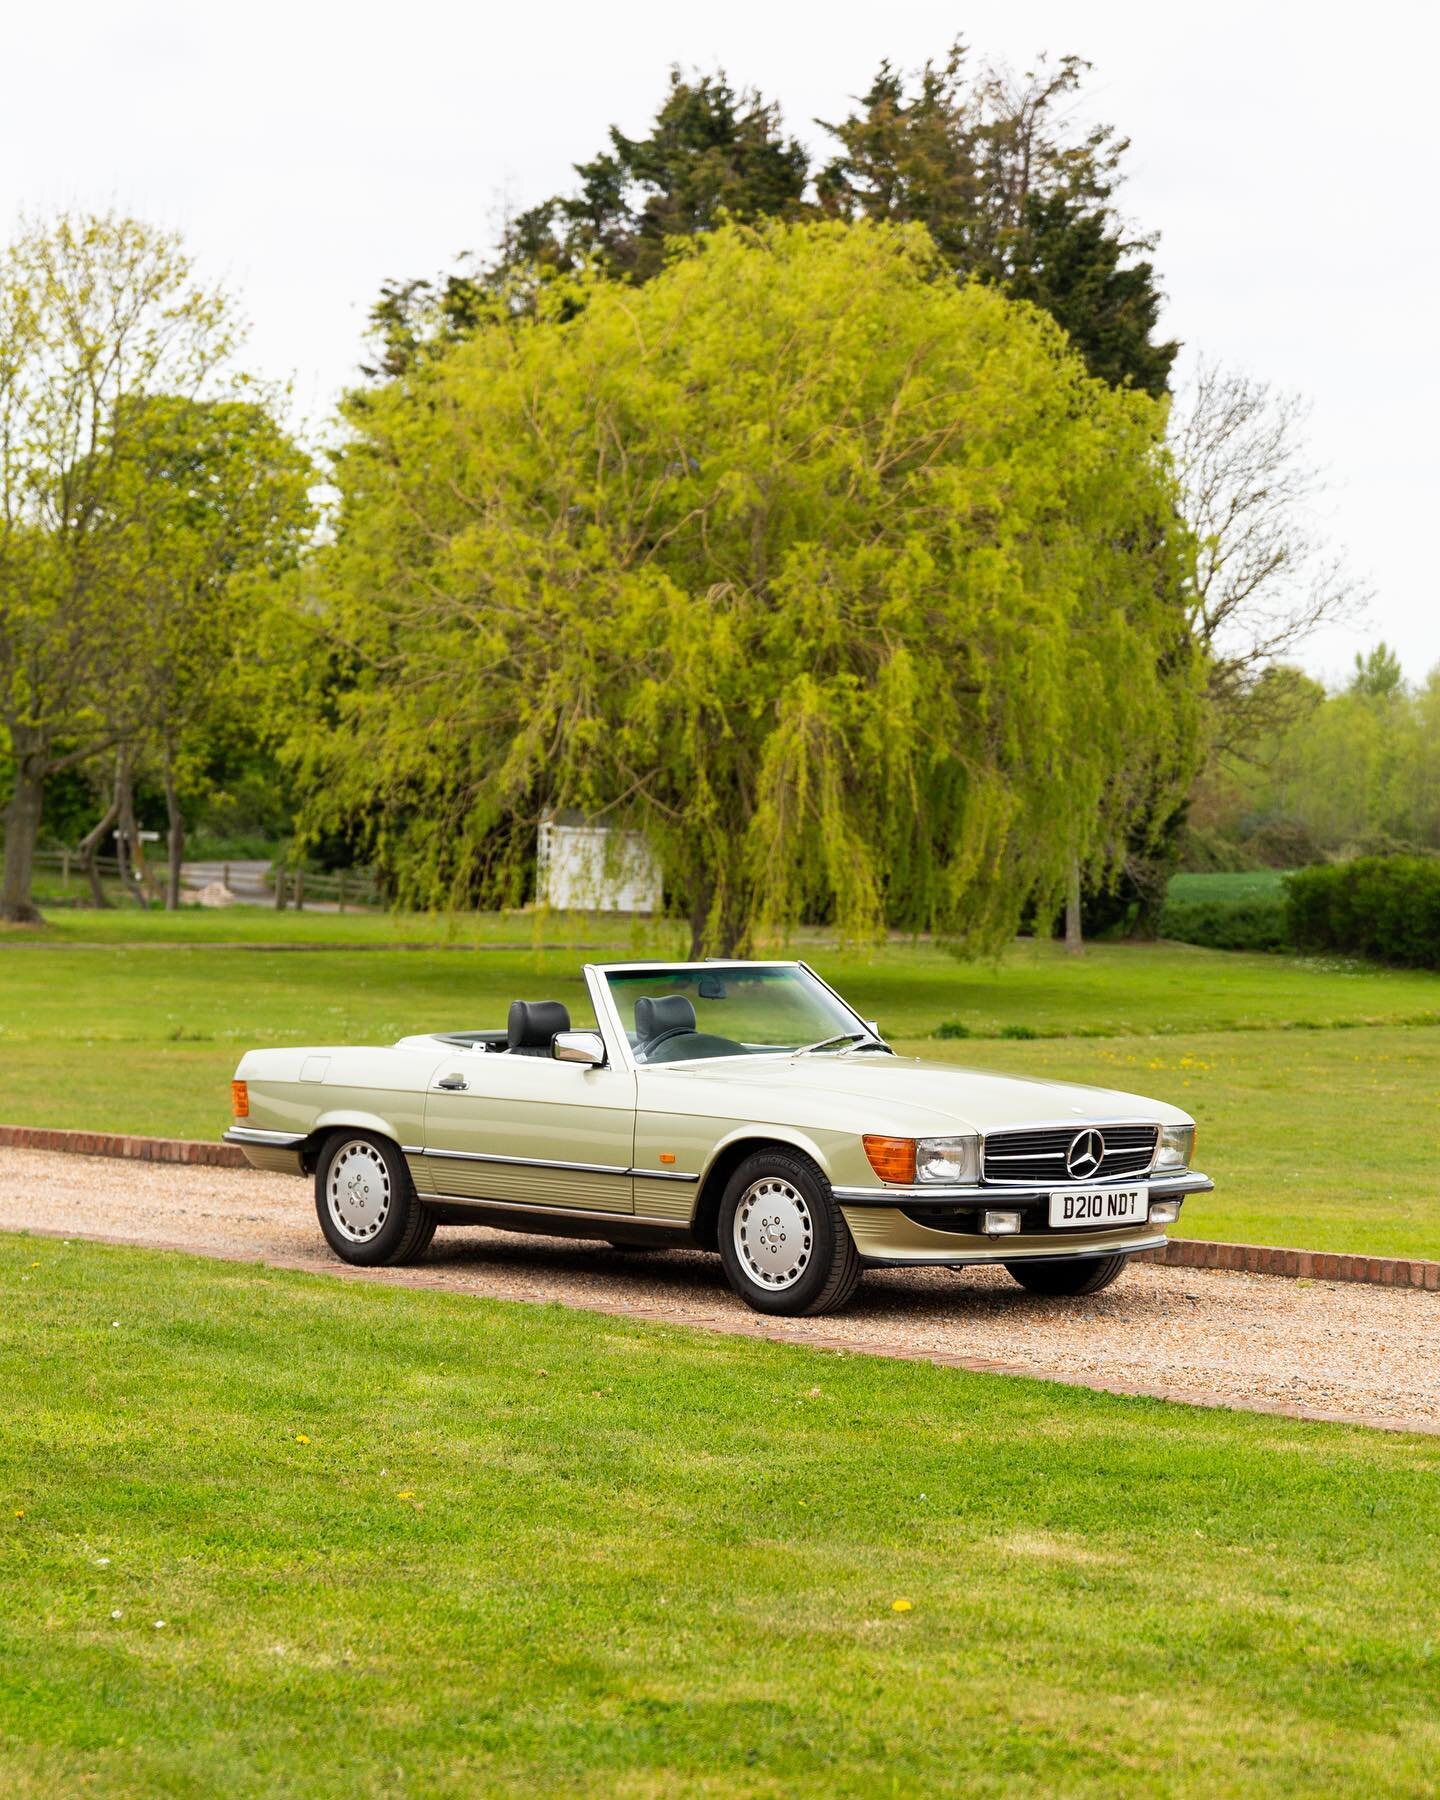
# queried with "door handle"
point(453, 1084)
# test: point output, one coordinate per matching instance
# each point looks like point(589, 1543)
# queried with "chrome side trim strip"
point(540, 1162)
point(537, 1209)
point(526, 1162)
point(275, 1140)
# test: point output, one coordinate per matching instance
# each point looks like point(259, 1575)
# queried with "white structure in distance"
point(582, 867)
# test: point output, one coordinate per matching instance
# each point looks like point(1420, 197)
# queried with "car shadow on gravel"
point(905, 1296)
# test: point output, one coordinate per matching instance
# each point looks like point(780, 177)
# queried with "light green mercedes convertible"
point(739, 1106)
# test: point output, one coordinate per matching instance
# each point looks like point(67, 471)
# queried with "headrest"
point(533, 1023)
point(658, 1018)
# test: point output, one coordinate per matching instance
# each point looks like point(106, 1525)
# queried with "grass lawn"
point(1324, 1137)
point(1246, 884)
point(410, 1542)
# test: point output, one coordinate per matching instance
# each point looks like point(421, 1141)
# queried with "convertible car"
point(739, 1106)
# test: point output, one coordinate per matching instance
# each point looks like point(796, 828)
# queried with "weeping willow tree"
point(842, 582)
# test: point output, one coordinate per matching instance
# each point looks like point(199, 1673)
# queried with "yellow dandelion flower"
point(901, 1605)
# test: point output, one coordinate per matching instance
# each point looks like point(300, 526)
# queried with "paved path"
point(1314, 1350)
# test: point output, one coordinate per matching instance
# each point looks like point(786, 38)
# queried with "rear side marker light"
point(892, 1159)
point(240, 1099)
point(1000, 1224)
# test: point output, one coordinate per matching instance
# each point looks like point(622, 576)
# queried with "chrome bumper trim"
point(1162, 1187)
point(1016, 1250)
point(272, 1140)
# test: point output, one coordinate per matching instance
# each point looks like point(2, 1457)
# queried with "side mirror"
point(585, 1047)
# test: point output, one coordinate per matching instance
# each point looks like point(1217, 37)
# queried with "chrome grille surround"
point(1035, 1156)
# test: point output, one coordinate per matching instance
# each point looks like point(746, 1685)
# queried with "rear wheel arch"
point(312, 1150)
point(404, 1226)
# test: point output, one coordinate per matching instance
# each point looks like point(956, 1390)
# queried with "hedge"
point(1227, 924)
point(1385, 907)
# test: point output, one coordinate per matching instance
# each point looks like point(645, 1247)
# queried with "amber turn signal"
point(239, 1099)
point(892, 1159)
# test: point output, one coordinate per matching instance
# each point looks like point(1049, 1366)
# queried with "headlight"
point(947, 1159)
point(1177, 1146)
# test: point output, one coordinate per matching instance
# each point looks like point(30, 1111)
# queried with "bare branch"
point(1264, 579)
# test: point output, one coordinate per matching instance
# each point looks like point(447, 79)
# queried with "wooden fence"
point(298, 887)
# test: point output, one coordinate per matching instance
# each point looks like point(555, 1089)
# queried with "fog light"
point(1164, 1212)
point(1000, 1224)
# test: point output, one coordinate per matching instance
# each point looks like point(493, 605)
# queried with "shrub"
point(1386, 907)
point(1255, 924)
point(952, 1028)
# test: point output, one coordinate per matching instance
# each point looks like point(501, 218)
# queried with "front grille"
point(1039, 1156)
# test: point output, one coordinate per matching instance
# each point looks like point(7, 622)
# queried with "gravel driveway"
point(1315, 1350)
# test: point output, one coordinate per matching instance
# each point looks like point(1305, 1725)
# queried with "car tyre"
point(1084, 1275)
point(783, 1241)
point(366, 1203)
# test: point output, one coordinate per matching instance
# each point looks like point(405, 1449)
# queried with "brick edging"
point(1312, 1265)
point(1179, 1253)
point(130, 1149)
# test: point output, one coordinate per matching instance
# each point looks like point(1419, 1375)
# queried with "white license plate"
point(1097, 1207)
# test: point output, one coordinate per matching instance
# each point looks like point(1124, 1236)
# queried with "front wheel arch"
point(704, 1221)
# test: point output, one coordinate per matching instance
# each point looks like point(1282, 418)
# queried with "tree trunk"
point(1074, 937)
point(90, 848)
point(700, 905)
point(132, 863)
point(175, 841)
point(22, 829)
point(714, 928)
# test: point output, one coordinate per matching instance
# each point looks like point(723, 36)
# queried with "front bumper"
point(889, 1224)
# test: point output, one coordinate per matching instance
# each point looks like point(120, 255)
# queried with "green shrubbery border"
point(1258, 924)
point(1385, 907)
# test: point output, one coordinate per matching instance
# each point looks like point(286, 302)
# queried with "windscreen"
point(684, 1015)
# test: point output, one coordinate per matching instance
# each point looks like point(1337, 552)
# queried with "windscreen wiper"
point(853, 1038)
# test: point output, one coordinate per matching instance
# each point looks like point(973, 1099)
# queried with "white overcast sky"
point(1285, 152)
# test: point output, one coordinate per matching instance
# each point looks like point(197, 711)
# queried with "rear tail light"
point(892, 1159)
point(240, 1099)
